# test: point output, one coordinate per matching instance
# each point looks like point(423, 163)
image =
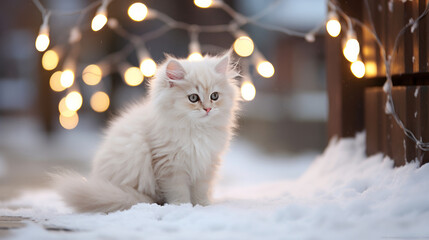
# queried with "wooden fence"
point(358, 104)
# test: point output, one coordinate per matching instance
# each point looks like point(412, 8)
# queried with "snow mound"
point(342, 195)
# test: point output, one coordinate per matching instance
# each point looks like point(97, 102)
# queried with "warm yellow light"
point(351, 50)
point(248, 91)
point(69, 122)
point(92, 74)
point(63, 109)
point(333, 27)
point(148, 67)
point(67, 78)
point(203, 3)
point(100, 101)
point(98, 22)
point(50, 60)
point(244, 46)
point(265, 69)
point(133, 76)
point(137, 11)
point(358, 69)
point(55, 82)
point(74, 101)
point(195, 56)
point(42, 42)
point(370, 69)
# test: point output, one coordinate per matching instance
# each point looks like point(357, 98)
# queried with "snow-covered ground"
point(341, 194)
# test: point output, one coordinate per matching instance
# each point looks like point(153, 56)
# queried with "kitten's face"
point(200, 91)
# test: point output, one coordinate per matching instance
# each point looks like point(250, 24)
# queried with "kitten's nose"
point(207, 109)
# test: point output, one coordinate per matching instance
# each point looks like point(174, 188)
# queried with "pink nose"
point(207, 109)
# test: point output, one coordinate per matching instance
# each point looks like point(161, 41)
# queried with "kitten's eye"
point(193, 98)
point(214, 96)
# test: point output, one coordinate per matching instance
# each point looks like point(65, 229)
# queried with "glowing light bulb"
point(55, 82)
point(203, 3)
point(358, 69)
point(98, 21)
point(63, 109)
point(67, 78)
point(195, 56)
point(92, 74)
point(351, 50)
point(42, 42)
point(100, 101)
point(74, 101)
point(333, 26)
point(148, 67)
point(370, 69)
point(265, 69)
point(244, 46)
point(137, 11)
point(70, 122)
point(248, 91)
point(133, 76)
point(50, 60)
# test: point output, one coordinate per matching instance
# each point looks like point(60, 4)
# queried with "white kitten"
point(166, 149)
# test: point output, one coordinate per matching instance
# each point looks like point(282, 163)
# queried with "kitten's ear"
point(175, 70)
point(223, 64)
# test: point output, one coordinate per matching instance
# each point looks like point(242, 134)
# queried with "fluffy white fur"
point(165, 149)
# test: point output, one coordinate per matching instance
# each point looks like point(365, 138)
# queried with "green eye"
point(214, 96)
point(193, 98)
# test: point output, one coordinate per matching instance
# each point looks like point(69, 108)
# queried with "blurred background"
point(287, 116)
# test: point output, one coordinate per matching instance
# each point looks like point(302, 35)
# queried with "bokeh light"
point(148, 67)
point(100, 101)
point(137, 11)
point(265, 69)
point(50, 60)
point(244, 46)
point(55, 82)
point(74, 100)
point(92, 74)
point(133, 76)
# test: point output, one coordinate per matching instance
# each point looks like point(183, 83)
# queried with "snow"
point(342, 194)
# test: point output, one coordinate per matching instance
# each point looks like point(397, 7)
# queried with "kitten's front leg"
point(176, 188)
point(201, 191)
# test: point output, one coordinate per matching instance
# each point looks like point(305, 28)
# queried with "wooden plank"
point(372, 121)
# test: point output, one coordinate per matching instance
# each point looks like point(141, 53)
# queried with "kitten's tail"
point(95, 195)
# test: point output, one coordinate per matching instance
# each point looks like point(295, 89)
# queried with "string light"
point(248, 91)
point(92, 74)
point(351, 48)
point(358, 69)
point(203, 3)
point(67, 78)
point(50, 60)
point(100, 18)
point(70, 122)
point(42, 40)
point(74, 101)
point(133, 76)
point(243, 45)
point(100, 101)
point(137, 11)
point(148, 67)
point(333, 26)
point(55, 82)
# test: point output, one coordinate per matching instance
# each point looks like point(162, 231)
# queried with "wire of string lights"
point(243, 46)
